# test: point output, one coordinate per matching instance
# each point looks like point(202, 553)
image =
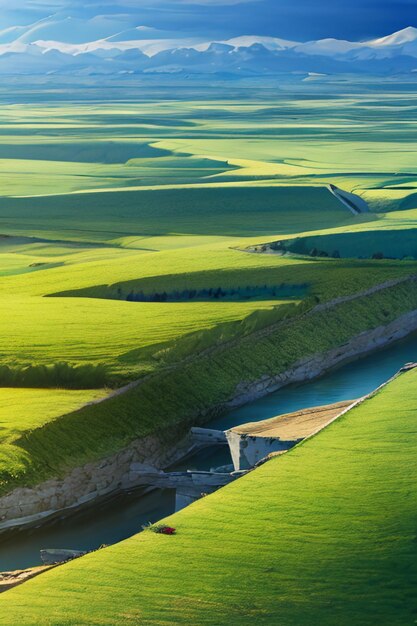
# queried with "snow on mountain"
point(327, 47)
point(384, 47)
point(405, 36)
point(150, 47)
point(112, 44)
point(246, 41)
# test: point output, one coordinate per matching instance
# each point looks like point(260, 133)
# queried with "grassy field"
point(22, 410)
point(100, 203)
point(323, 535)
point(105, 207)
point(95, 329)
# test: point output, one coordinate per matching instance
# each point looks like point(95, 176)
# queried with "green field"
point(323, 535)
point(22, 410)
point(163, 201)
point(134, 247)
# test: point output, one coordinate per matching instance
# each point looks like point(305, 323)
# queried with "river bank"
point(88, 483)
point(109, 520)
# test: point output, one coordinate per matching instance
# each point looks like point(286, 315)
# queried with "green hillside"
point(135, 247)
point(323, 535)
point(199, 375)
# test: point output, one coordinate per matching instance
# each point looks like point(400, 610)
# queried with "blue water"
point(122, 517)
point(106, 523)
point(349, 382)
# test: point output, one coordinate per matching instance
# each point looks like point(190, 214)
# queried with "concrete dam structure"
point(251, 443)
point(189, 486)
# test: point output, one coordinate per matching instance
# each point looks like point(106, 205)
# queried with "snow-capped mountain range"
point(107, 45)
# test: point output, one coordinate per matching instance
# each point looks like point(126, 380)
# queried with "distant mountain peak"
point(271, 43)
point(247, 41)
point(401, 37)
point(115, 44)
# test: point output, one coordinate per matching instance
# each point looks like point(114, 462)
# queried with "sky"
point(300, 20)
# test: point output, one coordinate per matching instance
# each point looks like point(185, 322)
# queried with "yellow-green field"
point(99, 202)
point(23, 410)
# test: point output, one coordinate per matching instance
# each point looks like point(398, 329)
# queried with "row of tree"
point(218, 293)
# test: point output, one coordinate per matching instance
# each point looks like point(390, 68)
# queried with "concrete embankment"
point(25, 507)
point(252, 442)
point(316, 365)
point(8, 580)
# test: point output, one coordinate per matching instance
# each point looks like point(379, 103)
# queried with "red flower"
point(161, 529)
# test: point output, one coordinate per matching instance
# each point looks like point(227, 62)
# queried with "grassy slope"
point(205, 210)
point(25, 410)
point(321, 536)
point(41, 331)
point(22, 410)
point(192, 387)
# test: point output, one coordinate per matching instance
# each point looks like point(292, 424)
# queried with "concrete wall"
point(248, 450)
point(26, 506)
point(313, 366)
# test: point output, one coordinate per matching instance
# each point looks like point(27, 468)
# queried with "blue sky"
point(291, 19)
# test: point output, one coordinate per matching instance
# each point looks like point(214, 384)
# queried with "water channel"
point(114, 520)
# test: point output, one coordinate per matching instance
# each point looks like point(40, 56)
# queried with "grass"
point(101, 201)
point(197, 387)
point(22, 410)
point(41, 331)
point(323, 535)
point(197, 210)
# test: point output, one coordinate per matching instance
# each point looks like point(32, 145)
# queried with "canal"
point(122, 516)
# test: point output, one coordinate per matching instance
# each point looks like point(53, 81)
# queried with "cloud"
point(215, 2)
point(193, 17)
point(290, 19)
point(42, 5)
